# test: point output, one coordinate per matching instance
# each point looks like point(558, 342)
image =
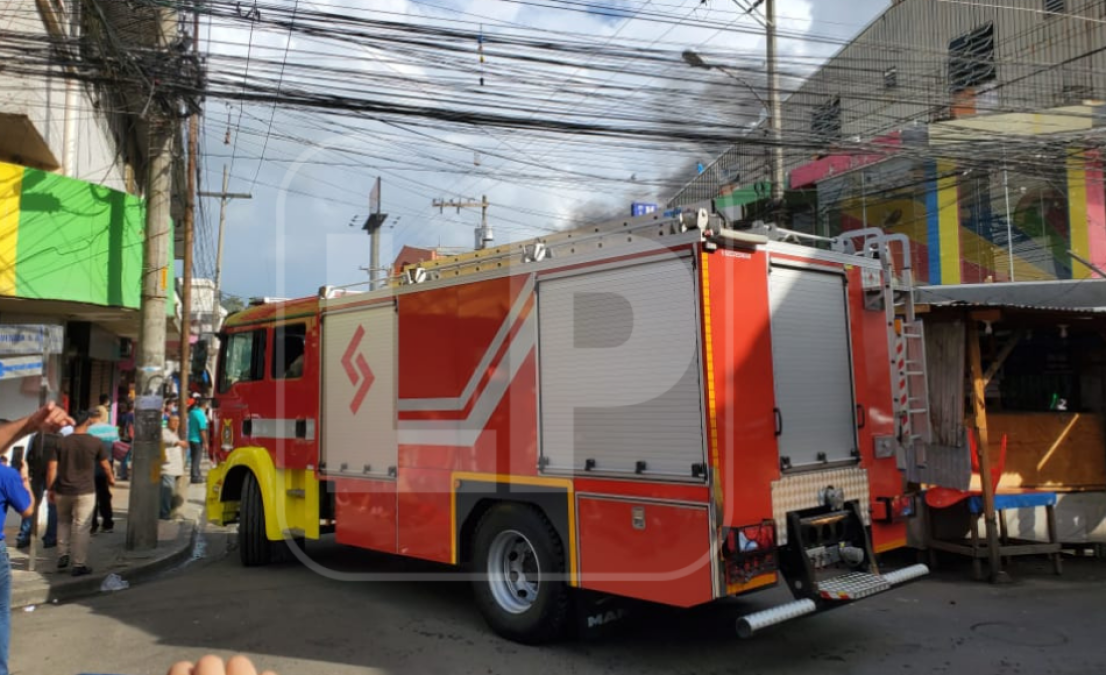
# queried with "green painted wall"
point(80, 242)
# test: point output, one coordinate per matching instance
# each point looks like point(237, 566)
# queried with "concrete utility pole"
point(224, 197)
point(373, 224)
point(156, 272)
point(774, 107)
point(484, 234)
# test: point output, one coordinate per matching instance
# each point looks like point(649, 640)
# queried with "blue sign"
point(641, 208)
point(20, 366)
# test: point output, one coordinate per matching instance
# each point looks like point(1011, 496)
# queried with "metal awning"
point(1086, 296)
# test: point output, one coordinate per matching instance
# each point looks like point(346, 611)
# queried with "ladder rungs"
point(915, 372)
point(916, 411)
point(912, 335)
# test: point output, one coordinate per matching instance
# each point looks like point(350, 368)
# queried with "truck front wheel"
point(519, 565)
point(253, 545)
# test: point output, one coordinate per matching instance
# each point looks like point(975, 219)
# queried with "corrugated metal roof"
point(1078, 295)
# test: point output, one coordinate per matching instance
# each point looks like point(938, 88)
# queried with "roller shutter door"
point(811, 363)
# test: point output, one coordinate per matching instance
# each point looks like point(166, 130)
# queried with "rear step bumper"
point(832, 591)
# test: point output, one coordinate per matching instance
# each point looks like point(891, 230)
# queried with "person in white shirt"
point(172, 467)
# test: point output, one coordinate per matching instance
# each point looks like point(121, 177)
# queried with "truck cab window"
point(289, 346)
point(244, 359)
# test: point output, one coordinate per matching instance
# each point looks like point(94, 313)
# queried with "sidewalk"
point(107, 554)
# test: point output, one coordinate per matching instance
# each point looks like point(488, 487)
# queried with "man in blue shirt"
point(197, 437)
point(15, 492)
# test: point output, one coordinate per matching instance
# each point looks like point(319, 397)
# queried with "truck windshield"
point(243, 360)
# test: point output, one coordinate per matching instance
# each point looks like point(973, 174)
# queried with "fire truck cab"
point(660, 408)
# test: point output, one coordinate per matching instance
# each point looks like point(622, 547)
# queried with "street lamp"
point(775, 118)
point(693, 59)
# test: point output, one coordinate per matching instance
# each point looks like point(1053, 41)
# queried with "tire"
point(514, 607)
point(254, 546)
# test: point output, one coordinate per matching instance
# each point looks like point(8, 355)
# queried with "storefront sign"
point(30, 339)
point(12, 367)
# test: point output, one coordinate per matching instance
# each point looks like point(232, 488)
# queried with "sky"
point(310, 175)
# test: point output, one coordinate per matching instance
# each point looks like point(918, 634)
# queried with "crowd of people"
point(69, 461)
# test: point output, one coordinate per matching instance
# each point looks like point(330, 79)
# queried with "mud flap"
point(219, 512)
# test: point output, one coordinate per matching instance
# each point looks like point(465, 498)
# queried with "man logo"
point(605, 618)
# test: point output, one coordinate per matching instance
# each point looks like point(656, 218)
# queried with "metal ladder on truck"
point(905, 340)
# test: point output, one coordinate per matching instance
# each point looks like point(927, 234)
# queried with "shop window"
point(972, 59)
point(243, 359)
point(289, 346)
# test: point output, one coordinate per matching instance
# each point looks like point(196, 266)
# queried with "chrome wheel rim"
point(514, 574)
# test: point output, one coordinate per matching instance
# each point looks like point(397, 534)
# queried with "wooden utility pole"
point(484, 235)
point(979, 410)
point(142, 513)
point(224, 197)
point(189, 241)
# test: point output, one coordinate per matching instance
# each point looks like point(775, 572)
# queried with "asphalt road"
point(296, 621)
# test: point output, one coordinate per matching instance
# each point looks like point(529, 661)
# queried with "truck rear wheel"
point(519, 564)
point(253, 545)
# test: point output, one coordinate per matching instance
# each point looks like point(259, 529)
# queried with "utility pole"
point(484, 234)
point(156, 272)
point(224, 197)
point(189, 239)
point(373, 224)
point(776, 119)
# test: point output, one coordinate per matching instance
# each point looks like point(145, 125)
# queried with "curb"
point(46, 594)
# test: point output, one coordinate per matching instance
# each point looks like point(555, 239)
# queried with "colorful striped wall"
point(65, 239)
point(959, 229)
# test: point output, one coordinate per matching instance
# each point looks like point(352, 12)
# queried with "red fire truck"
point(662, 408)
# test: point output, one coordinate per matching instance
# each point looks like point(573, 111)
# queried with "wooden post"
point(979, 410)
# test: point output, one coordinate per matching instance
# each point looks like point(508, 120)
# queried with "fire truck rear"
point(661, 408)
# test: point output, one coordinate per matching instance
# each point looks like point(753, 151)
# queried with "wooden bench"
point(976, 545)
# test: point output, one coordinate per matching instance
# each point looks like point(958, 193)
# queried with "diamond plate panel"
point(852, 586)
point(800, 491)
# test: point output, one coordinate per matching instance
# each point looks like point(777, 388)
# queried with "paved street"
point(295, 621)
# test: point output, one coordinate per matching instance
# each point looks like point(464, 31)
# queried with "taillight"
point(749, 551)
point(893, 509)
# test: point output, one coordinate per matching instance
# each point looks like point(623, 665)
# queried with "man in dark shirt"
point(37, 454)
point(71, 477)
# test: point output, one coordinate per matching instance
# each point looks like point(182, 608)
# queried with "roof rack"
point(568, 242)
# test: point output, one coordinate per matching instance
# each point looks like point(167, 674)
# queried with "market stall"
point(1029, 382)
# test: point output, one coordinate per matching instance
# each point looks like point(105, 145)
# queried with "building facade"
point(969, 126)
point(72, 212)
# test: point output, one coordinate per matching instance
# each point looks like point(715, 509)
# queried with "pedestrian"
point(71, 478)
point(197, 438)
point(38, 449)
point(172, 466)
point(15, 492)
point(126, 435)
point(108, 435)
point(104, 408)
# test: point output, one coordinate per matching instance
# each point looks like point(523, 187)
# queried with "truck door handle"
point(861, 416)
point(779, 421)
